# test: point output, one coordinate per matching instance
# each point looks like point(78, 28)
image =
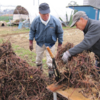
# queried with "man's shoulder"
point(94, 23)
point(56, 20)
point(53, 17)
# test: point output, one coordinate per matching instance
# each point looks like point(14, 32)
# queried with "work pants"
point(40, 52)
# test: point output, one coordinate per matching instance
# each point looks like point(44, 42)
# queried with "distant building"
point(20, 13)
point(91, 7)
point(94, 3)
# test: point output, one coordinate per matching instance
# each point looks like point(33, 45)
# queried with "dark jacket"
point(91, 39)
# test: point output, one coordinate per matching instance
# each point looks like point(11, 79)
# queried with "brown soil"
point(22, 39)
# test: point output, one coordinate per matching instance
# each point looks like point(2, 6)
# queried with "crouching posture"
point(91, 41)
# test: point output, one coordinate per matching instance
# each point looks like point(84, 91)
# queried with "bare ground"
point(22, 39)
point(71, 35)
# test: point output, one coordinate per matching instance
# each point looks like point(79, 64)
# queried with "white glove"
point(65, 56)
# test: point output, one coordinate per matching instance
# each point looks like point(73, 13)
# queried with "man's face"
point(81, 23)
point(44, 16)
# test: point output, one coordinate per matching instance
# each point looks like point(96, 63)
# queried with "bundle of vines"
point(79, 72)
point(19, 80)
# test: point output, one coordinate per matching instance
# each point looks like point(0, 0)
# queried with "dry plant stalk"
point(79, 72)
point(19, 80)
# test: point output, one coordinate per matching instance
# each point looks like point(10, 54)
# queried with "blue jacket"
point(46, 34)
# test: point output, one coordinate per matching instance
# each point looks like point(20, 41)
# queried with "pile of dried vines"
point(80, 72)
point(20, 81)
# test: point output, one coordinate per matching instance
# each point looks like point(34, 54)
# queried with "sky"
point(57, 7)
point(13, 3)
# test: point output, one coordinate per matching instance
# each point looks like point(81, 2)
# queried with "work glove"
point(65, 56)
point(31, 45)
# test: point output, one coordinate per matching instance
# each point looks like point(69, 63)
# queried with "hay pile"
point(21, 10)
point(20, 81)
point(79, 72)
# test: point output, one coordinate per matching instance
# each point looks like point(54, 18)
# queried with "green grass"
point(25, 54)
point(68, 27)
point(1, 41)
point(12, 30)
point(6, 18)
point(15, 30)
point(29, 57)
point(44, 64)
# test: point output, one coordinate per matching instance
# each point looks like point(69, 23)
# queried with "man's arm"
point(59, 32)
point(90, 38)
point(31, 35)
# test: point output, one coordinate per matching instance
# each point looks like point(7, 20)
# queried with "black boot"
point(40, 67)
point(50, 72)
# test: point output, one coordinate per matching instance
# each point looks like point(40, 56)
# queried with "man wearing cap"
point(46, 29)
point(91, 41)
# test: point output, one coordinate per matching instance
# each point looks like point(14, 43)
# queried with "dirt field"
point(70, 35)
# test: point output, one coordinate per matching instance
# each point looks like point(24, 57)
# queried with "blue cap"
point(44, 8)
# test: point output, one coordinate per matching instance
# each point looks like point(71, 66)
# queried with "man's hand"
point(65, 56)
point(31, 45)
point(59, 46)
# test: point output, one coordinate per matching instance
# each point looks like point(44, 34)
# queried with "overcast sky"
point(55, 3)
